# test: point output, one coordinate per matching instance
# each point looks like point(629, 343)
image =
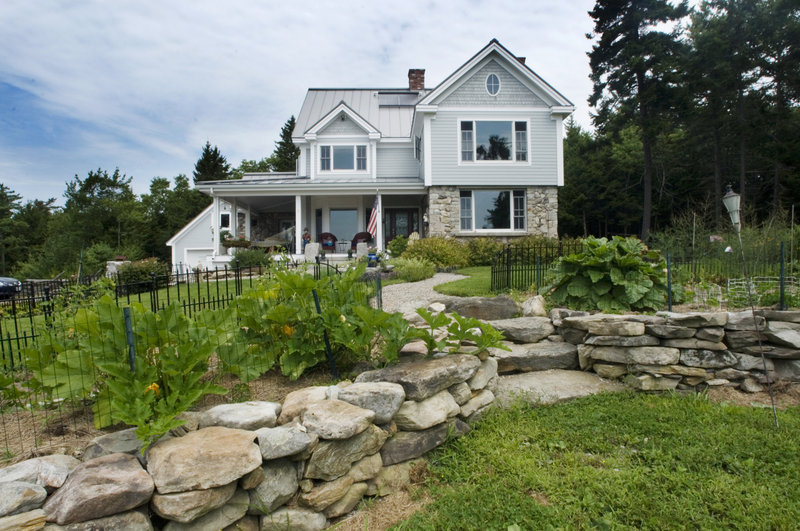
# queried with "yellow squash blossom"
point(152, 387)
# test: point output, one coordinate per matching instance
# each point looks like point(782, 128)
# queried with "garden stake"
point(126, 312)
point(325, 336)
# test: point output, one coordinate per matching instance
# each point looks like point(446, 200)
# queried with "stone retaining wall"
point(258, 465)
point(296, 465)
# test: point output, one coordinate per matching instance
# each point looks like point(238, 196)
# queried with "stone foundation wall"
point(444, 212)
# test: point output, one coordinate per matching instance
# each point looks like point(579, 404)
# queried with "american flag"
point(372, 226)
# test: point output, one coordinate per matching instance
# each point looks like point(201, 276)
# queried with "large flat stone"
point(671, 370)
point(202, 459)
point(190, 505)
point(335, 419)
point(122, 442)
point(100, 487)
point(694, 343)
point(348, 502)
point(783, 333)
point(666, 331)
point(217, 519)
point(745, 321)
point(416, 416)
point(524, 329)
point(739, 339)
point(537, 357)
point(484, 308)
point(325, 494)
point(746, 362)
point(333, 459)
point(49, 471)
point(708, 359)
point(792, 316)
point(135, 520)
point(715, 334)
point(642, 355)
point(788, 370)
point(622, 341)
point(242, 416)
point(425, 378)
point(772, 351)
point(294, 519)
point(483, 375)
point(479, 401)
point(549, 387)
point(384, 398)
point(405, 445)
point(28, 521)
point(695, 320)
point(366, 468)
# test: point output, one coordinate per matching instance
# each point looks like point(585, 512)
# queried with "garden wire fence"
point(712, 280)
point(36, 420)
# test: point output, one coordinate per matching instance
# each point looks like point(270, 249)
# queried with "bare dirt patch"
point(786, 394)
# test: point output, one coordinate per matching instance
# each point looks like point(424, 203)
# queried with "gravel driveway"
point(406, 298)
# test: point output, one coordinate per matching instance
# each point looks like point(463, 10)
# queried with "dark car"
point(9, 287)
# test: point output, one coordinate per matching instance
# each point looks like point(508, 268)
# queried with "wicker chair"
point(361, 237)
point(327, 242)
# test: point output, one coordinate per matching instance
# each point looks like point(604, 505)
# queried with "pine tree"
point(211, 166)
point(284, 158)
point(634, 67)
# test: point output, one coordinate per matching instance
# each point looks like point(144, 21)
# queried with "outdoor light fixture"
point(731, 201)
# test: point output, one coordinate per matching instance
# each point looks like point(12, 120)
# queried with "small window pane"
point(519, 209)
point(467, 147)
point(492, 84)
point(325, 158)
point(466, 210)
point(343, 158)
point(521, 132)
point(225, 220)
point(361, 157)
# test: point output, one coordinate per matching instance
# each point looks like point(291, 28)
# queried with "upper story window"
point(483, 140)
point(343, 158)
point(493, 84)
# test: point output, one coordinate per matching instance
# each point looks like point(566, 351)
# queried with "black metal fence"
point(526, 267)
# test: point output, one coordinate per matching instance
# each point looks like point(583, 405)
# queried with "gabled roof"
point(525, 74)
point(392, 121)
point(343, 108)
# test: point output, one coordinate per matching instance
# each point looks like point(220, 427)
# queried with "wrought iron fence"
point(526, 267)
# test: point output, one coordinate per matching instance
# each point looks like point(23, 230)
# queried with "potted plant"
point(372, 257)
point(228, 241)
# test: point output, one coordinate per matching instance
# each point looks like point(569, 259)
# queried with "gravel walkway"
point(407, 297)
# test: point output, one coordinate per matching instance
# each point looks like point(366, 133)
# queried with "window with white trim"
point(494, 140)
point(492, 84)
point(492, 210)
point(343, 158)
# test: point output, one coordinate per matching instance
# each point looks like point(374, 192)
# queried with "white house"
point(478, 155)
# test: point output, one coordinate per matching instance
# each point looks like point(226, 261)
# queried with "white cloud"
point(151, 82)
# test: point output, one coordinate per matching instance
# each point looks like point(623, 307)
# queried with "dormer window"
point(343, 158)
point(492, 84)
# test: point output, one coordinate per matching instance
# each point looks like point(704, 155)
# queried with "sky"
point(142, 85)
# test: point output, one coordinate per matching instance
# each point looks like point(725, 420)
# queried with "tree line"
point(102, 218)
point(687, 101)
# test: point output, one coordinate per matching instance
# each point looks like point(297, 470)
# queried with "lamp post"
point(732, 201)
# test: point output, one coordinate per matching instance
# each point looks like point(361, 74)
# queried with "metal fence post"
point(783, 277)
point(669, 282)
point(325, 337)
point(153, 292)
point(379, 288)
point(126, 312)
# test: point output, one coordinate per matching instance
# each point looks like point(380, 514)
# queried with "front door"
point(400, 222)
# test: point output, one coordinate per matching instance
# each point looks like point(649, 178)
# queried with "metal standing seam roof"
point(393, 121)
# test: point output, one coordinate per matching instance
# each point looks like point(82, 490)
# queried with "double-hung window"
point(494, 140)
point(343, 158)
point(492, 210)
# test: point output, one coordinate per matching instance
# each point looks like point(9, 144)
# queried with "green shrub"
point(137, 276)
point(413, 269)
point(250, 258)
point(611, 275)
point(95, 258)
point(441, 252)
point(398, 246)
point(483, 251)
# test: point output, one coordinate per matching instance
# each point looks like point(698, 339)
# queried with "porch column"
point(234, 219)
point(298, 224)
point(248, 218)
point(215, 226)
point(379, 228)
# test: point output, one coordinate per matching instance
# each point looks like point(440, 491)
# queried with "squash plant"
point(614, 275)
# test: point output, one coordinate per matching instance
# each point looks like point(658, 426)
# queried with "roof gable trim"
point(342, 108)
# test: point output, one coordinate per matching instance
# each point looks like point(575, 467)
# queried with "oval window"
point(493, 84)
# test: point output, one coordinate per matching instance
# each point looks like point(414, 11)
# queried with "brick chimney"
point(521, 60)
point(416, 79)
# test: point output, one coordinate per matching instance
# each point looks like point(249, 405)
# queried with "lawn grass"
point(479, 283)
point(619, 461)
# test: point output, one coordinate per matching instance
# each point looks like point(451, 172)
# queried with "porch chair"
point(361, 237)
point(327, 242)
